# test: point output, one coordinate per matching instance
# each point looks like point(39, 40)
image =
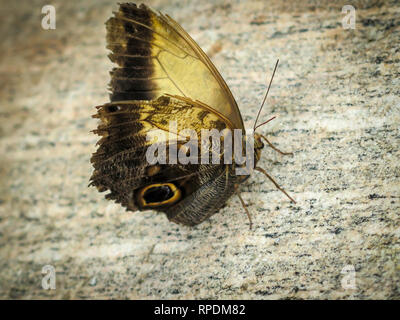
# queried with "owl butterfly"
point(163, 76)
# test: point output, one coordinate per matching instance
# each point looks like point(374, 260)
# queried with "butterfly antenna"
point(266, 95)
point(264, 122)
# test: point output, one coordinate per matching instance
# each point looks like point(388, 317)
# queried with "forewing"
point(156, 56)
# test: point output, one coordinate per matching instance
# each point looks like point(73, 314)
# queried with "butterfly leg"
point(274, 182)
point(275, 148)
point(226, 177)
point(244, 205)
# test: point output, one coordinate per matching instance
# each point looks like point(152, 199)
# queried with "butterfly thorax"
point(258, 146)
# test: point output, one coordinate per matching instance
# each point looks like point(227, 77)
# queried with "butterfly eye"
point(158, 194)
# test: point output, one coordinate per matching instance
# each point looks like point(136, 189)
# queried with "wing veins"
point(151, 29)
point(134, 78)
point(152, 43)
point(173, 82)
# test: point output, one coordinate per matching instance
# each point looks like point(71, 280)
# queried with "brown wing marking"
point(156, 56)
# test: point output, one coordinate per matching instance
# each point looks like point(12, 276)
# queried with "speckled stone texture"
point(336, 94)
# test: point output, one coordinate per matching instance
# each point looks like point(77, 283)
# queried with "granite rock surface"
point(337, 97)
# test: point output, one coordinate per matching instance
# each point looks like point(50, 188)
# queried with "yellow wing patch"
point(157, 116)
point(158, 57)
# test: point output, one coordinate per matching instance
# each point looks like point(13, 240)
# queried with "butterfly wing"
point(187, 193)
point(162, 76)
point(156, 56)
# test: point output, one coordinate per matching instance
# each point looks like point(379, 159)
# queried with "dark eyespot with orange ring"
point(158, 194)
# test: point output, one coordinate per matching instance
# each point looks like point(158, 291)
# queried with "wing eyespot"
point(158, 194)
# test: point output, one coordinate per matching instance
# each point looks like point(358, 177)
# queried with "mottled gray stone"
point(336, 94)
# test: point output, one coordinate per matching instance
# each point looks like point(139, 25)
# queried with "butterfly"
point(162, 75)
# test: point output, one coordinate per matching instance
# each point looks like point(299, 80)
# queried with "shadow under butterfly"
point(164, 76)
